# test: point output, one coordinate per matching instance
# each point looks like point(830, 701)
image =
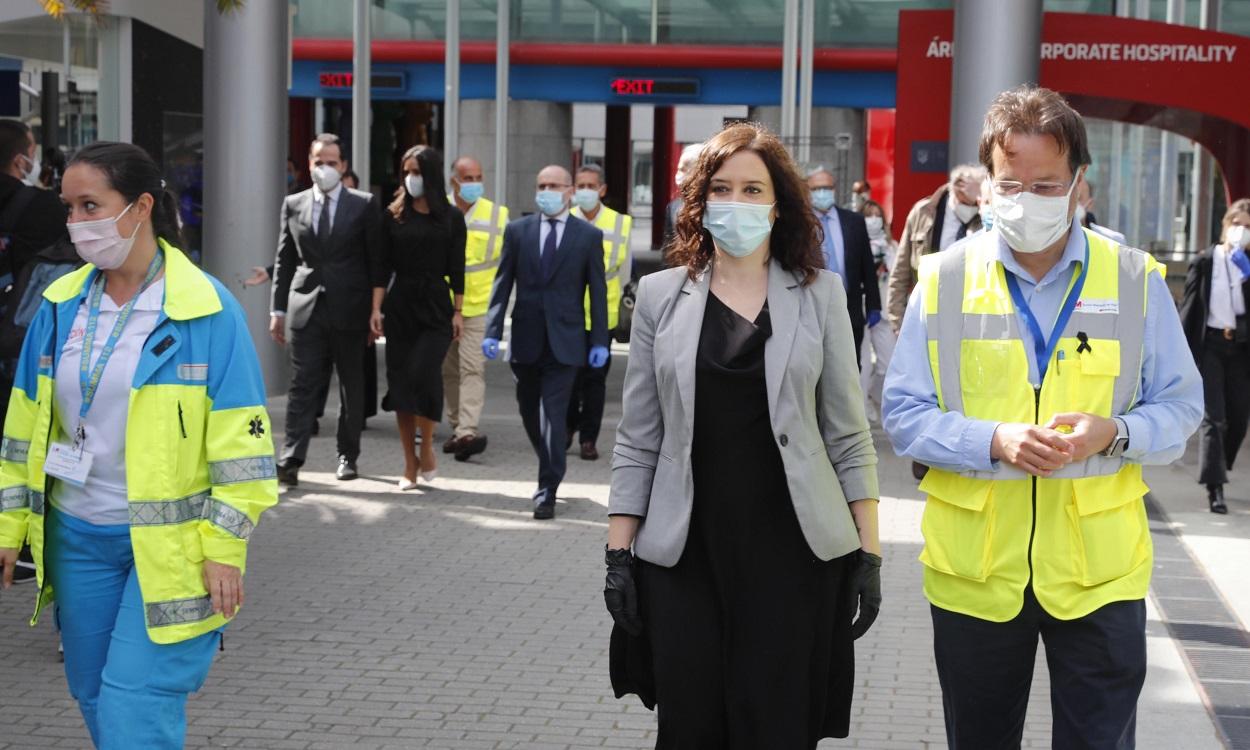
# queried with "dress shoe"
point(406, 484)
point(589, 452)
point(346, 470)
point(288, 474)
point(918, 470)
point(545, 509)
point(1215, 497)
point(429, 476)
point(470, 446)
point(452, 445)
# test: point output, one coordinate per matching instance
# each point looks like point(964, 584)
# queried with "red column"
point(300, 113)
point(663, 166)
point(618, 158)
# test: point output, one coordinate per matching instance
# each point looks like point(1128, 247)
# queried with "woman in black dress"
point(752, 515)
point(421, 312)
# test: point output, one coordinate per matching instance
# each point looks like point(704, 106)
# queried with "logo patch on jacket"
point(197, 373)
point(1098, 306)
point(257, 428)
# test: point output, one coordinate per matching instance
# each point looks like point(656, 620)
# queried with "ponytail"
point(166, 218)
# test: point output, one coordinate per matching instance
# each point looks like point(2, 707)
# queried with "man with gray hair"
point(934, 224)
point(689, 155)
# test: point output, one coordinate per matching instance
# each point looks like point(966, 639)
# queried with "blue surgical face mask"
point(738, 228)
point(550, 202)
point(471, 192)
point(823, 198)
point(586, 199)
point(987, 216)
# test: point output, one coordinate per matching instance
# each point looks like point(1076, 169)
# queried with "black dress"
point(426, 255)
point(750, 632)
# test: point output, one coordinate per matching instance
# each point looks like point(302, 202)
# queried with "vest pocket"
point(958, 523)
point(1108, 521)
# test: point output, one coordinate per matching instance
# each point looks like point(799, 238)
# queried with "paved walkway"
point(448, 618)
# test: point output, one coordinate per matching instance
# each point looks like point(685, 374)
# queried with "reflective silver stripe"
point(491, 229)
point(179, 611)
point(1131, 329)
point(14, 450)
point(231, 519)
point(14, 498)
point(949, 324)
point(36, 502)
point(239, 470)
point(164, 512)
point(1094, 466)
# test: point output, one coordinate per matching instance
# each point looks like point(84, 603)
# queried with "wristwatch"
point(1119, 443)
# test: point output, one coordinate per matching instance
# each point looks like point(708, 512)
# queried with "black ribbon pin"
point(1084, 346)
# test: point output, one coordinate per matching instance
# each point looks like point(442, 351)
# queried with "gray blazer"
point(814, 400)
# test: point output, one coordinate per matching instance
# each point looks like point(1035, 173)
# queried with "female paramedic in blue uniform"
point(136, 456)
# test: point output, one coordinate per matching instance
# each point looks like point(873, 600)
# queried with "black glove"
point(619, 592)
point(866, 585)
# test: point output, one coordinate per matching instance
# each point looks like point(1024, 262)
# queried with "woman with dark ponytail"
point(139, 407)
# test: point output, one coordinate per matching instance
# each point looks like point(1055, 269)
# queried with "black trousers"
point(313, 349)
point(543, 388)
point(1225, 368)
point(371, 386)
point(1097, 668)
point(590, 393)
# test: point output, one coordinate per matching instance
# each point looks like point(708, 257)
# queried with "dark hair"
point(132, 172)
point(327, 139)
point(796, 236)
point(1031, 110)
point(354, 177)
point(431, 163)
point(15, 138)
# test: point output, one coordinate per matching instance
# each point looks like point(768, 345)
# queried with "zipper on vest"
point(181, 426)
point(1037, 411)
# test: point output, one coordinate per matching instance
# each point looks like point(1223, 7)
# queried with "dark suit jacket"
point(862, 292)
point(550, 307)
point(1195, 304)
point(347, 265)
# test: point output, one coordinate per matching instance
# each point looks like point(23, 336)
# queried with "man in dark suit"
point(847, 252)
point(330, 259)
point(552, 259)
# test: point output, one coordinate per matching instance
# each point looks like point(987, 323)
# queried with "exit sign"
point(340, 79)
point(654, 87)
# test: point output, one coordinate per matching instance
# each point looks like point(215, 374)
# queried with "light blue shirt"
point(1170, 402)
point(834, 246)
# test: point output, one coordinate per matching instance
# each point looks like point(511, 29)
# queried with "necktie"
point(549, 249)
point(323, 222)
point(831, 250)
point(961, 232)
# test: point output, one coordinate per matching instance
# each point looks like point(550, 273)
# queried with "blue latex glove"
point(598, 356)
point(874, 317)
point(490, 348)
point(1240, 260)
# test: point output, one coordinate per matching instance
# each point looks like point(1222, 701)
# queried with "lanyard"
point(89, 377)
point(1043, 349)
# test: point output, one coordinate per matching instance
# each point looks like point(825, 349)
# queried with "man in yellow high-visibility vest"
point(1038, 367)
point(590, 388)
point(464, 368)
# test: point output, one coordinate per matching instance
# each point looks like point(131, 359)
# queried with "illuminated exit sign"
point(343, 80)
point(650, 87)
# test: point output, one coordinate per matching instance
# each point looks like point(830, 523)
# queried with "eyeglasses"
point(1012, 188)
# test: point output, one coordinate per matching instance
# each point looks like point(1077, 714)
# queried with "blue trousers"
point(132, 692)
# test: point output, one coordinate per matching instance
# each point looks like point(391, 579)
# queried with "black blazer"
point(553, 307)
point(346, 266)
point(1195, 304)
point(862, 292)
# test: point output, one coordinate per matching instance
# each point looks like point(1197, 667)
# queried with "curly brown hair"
point(796, 237)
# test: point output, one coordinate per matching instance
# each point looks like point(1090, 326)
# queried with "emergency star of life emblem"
point(257, 428)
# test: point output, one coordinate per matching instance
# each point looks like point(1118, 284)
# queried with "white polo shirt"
point(103, 500)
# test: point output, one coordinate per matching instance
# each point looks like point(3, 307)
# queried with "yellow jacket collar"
point(188, 291)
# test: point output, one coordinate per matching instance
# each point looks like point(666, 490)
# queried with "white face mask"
point(326, 177)
point(100, 244)
point(876, 225)
point(964, 212)
point(1237, 236)
point(31, 175)
point(414, 185)
point(1031, 223)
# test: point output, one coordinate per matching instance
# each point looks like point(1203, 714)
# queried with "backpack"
point(17, 204)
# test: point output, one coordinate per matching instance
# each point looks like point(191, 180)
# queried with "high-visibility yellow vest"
point(199, 455)
point(484, 224)
point(1080, 537)
point(616, 227)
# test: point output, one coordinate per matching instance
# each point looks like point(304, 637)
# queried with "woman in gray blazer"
point(744, 475)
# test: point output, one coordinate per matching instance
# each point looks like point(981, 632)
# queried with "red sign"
point(633, 86)
point(336, 80)
point(1142, 72)
point(655, 87)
